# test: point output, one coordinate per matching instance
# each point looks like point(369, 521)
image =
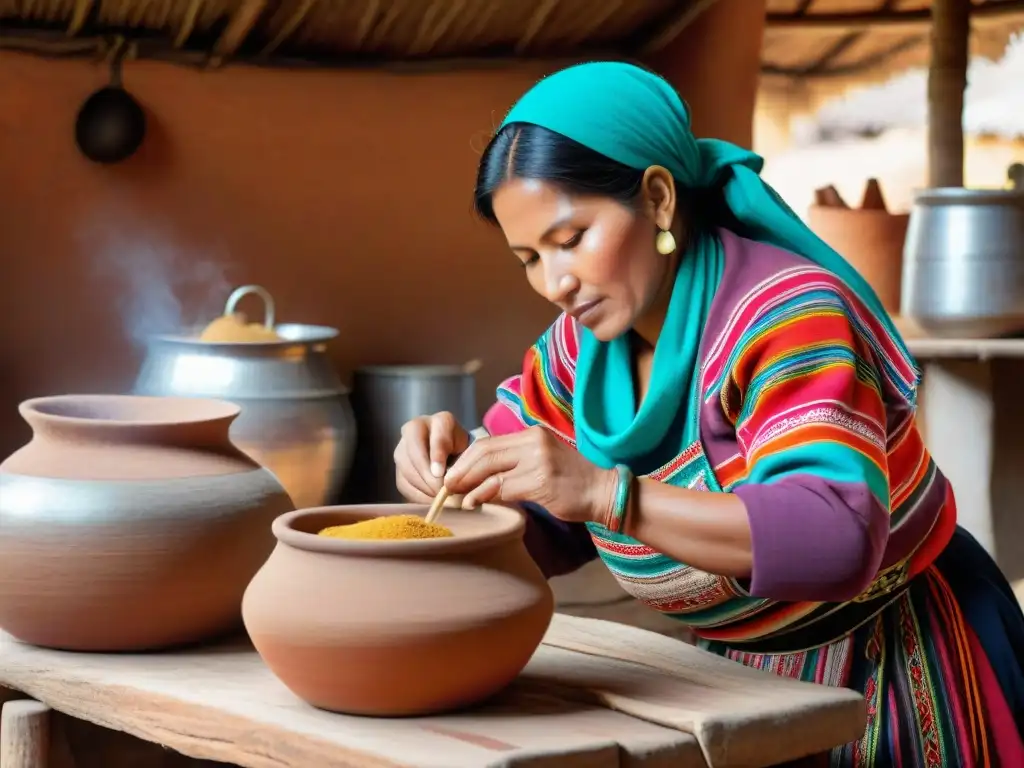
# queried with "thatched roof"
point(836, 43)
point(992, 103)
point(347, 31)
point(830, 44)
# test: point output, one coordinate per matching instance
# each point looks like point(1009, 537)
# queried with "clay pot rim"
point(830, 210)
point(178, 410)
point(510, 525)
point(292, 334)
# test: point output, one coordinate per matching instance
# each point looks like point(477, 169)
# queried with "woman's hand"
point(422, 454)
point(533, 466)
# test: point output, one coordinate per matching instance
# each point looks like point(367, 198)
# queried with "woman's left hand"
point(533, 466)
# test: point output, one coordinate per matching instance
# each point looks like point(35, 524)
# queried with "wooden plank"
point(222, 703)
point(976, 349)
point(742, 717)
point(925, 347)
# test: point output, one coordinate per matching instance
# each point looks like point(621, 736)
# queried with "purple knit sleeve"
point(809, 401)
point(557, 547)
point(813, 539)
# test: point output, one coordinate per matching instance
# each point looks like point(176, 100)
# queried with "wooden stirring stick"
point(438, 504)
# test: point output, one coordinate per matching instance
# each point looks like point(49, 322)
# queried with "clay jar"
point(130, 523)
point(871, 240)
point(398, 627)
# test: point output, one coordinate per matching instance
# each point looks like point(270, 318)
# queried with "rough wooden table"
point(595, 695)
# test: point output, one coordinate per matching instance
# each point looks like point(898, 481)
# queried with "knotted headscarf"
point(635, 117)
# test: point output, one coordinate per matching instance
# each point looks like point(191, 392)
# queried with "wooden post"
point(24, 734)
point(947, 80)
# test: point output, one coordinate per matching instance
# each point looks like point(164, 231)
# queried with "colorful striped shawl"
point(812, 384)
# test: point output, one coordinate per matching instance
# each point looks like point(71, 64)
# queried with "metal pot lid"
point(421, 371)
point(290, 333)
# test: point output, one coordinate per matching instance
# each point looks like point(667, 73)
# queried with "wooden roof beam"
point(83, 9)
point(536, 24)
point(895, 21)
point(670, 28)
point(188, 23)
point(241, 24)
point(859, 67)
point(841, 45)
point(289, 27)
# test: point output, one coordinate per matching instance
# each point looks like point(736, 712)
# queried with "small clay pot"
point(871, 240)
point(130, 523)
point(391, 628)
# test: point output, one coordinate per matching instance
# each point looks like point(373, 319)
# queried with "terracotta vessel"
point(871, 240)
point(398, 627)
point(130, 523)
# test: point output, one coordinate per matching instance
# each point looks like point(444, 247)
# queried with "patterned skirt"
point(941, 669)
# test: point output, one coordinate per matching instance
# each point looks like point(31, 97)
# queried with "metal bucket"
point(386, 397)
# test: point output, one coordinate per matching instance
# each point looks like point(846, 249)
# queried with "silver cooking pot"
point(384, 397)
point(963, 261)
point(296, 416)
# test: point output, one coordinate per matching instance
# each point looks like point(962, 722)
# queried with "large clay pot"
point(398, 627)
point(130, 523)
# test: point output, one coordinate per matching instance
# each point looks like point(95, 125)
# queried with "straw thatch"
point(992, 104)
point(348, 31)
point(838, 43)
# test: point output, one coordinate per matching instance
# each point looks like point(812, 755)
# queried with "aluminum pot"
point(384, 397)
point(963, 262)
point(296, 415)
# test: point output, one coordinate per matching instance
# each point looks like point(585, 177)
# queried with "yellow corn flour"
point(234, 329)
point(391, 527)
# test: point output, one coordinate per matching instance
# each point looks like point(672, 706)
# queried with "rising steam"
point(161, 286)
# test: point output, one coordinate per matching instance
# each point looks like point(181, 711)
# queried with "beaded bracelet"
point(617, 514)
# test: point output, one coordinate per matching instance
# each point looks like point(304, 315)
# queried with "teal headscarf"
point(636, 118)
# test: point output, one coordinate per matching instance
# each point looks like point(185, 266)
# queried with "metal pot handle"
point(245, 290)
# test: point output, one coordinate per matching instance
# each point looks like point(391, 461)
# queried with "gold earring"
point(665, 242)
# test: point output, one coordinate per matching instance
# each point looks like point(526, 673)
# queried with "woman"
point(724, 414)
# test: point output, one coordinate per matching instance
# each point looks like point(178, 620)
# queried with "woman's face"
point(592, 257)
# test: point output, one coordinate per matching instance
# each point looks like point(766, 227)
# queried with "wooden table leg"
point(959, 418)
point(24, 734)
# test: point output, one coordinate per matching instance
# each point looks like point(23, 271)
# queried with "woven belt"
point(835, 622)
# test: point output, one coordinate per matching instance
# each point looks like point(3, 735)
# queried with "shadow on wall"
point(346, 193)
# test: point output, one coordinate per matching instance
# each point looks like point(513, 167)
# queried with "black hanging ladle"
point(111, 124)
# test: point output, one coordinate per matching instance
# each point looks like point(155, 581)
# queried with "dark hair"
point(527, 151)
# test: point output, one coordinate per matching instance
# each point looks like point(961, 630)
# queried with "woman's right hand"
point(421, 458)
